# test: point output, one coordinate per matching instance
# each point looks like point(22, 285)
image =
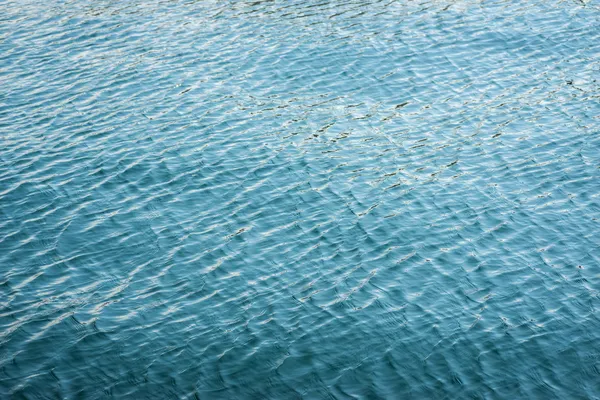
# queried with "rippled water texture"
point(299, 199)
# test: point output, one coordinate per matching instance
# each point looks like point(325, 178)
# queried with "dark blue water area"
point(299, 199)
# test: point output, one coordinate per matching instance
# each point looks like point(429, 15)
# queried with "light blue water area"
point(299, 199)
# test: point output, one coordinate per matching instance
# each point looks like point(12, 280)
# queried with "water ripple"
point(299, 199)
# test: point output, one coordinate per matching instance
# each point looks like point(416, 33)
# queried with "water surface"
point(299, 199)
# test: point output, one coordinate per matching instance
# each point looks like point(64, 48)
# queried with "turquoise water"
point(299, 199)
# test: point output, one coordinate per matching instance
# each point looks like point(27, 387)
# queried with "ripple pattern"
point(300, 199)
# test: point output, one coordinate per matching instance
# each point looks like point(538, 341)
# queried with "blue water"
point(299, 199)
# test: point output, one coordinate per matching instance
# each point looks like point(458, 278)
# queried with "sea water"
point(299, 199)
